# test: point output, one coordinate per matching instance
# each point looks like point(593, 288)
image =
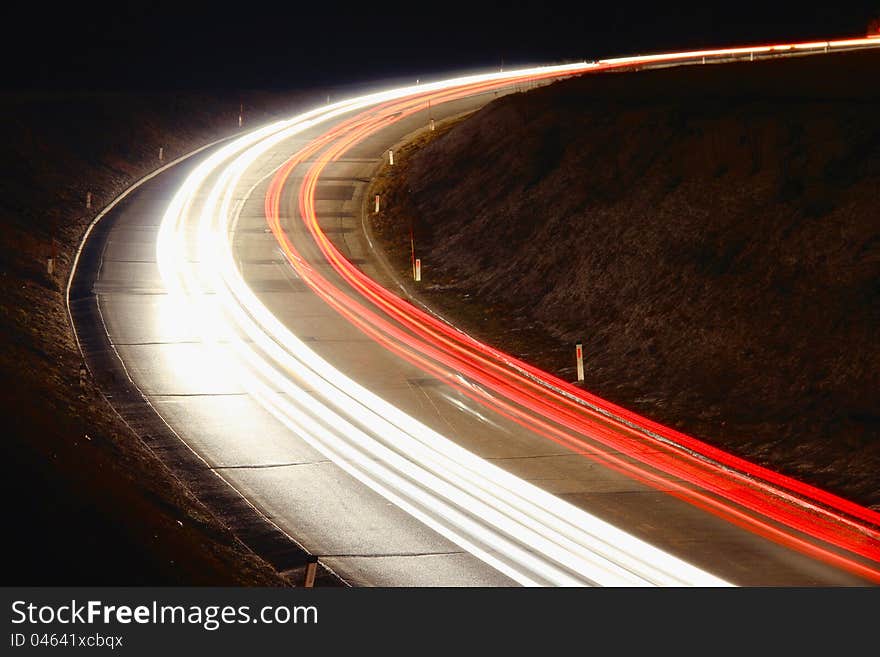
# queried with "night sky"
point(162, 45)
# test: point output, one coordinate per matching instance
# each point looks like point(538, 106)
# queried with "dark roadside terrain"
point(711, 234)
point(85, 501)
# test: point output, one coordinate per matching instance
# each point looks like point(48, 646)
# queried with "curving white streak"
point(722, 53)
point(523, 531)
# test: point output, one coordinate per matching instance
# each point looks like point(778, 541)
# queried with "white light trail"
point(523, 531)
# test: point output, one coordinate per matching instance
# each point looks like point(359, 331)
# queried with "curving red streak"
point(772, 505)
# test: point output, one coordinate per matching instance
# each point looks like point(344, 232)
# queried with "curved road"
point(401, 453)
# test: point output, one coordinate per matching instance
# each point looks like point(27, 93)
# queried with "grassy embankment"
point(711, 233)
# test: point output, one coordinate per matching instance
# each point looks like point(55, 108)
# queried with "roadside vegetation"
point(87, 503)
point(711, 234)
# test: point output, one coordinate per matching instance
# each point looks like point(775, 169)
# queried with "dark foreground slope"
point(711, 233)
point(84, 501)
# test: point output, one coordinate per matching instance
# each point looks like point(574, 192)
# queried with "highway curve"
point(249, 309)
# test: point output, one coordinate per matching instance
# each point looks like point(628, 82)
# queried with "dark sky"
point(257, 44)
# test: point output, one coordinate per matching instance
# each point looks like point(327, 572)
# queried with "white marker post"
point(432, 125)
point(390, 157)
point(161, 154)
point(50, 261)
point(311, 572)
point(579, 351)
point(88, 200)
point(240, 115)
point(418, 270)
point(377, 204)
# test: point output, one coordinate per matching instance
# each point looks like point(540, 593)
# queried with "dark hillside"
point(712, 233)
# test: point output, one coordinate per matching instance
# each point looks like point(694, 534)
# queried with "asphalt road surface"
point(376, 527)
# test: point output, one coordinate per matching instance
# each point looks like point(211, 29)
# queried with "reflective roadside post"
point(311, 572)
point(579, 352)
point(53, 255)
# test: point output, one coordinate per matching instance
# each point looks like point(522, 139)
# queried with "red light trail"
point(772, 505)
